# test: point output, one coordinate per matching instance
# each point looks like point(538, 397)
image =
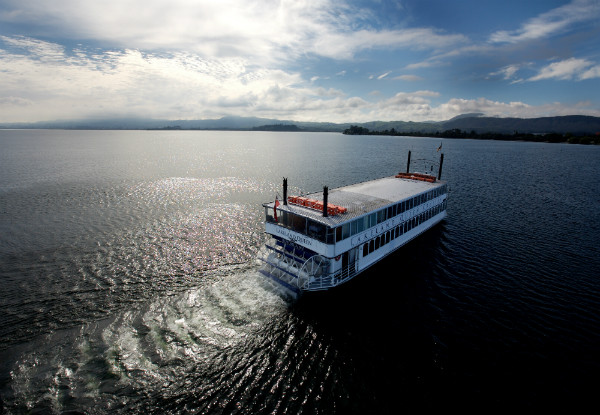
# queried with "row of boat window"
point(387, 237)
point(328, 235)
point(361, 224)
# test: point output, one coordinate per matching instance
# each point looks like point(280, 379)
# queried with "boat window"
point(372, 220)
point(269, 215)
point(316, 230)
point(353, 227)
point(330, 239)
point(377, 242)
point(390, 211)
point(366, 249)
point(297, 223)
point(371, 245)
point(360, 225)
point(338, 233)
point(387, 237)
point(345, 231)
point(394, 210)
point(381, 216)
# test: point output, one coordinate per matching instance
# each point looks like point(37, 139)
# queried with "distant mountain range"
point(575, 124)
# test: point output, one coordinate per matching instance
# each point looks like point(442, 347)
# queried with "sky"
point(300, 60)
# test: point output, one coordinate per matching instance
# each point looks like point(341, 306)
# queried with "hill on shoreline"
point(572, 124)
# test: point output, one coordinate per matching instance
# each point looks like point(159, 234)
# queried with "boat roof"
point(361, 198)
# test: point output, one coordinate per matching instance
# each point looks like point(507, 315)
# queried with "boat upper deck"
point(361, 198)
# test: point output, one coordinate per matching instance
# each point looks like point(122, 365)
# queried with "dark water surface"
point(129, 285)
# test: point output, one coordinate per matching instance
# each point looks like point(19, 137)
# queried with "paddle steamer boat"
point(321, 240)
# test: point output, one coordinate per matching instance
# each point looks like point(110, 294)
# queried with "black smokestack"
point(325, 196)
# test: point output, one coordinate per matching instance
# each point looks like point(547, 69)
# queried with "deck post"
point(285, 190)
point(325, 196)
point(440, 170)
point(408, 163)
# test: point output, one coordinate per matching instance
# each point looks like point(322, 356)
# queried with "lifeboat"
point(332, 209)
point(416, 176)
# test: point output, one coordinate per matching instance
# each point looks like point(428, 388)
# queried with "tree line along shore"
point(457, 133)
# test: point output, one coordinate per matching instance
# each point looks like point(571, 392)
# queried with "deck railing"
point(327, 281)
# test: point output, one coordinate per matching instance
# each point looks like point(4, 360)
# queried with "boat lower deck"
point(299, 270)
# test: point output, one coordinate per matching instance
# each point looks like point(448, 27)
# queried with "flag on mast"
point(275, 208)
point(440, 147)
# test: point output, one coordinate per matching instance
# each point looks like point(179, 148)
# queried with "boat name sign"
point(371, 233)
point(293, 236)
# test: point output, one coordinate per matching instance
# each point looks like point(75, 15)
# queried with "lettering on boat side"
point(373, 232)
point(293, 237)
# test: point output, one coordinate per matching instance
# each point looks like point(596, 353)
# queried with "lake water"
point(129, 283)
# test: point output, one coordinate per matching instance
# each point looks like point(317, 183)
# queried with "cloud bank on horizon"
point(303, 60)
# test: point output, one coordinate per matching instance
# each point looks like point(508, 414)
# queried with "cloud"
point(60, 84)
point(265, 30)
point(569, 69)
point(44, 81)
point(418, 106)
point(507, 72)
point(345, 45)
point(593, 72)
point(15, 101)
point(550, 23)
point(409, 78)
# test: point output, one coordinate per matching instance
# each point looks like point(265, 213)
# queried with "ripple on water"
point(112, 364)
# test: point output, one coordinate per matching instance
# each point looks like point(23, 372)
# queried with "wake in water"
point(147, 356)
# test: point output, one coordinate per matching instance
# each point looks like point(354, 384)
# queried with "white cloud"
point(552, 22)
point(344, 45)
point(593, 72)
point(409, 78)
point(267, 30)
point(568, 69)
point(46, 82)
point(181, 85)
point(418, 107)
point(508, 72)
